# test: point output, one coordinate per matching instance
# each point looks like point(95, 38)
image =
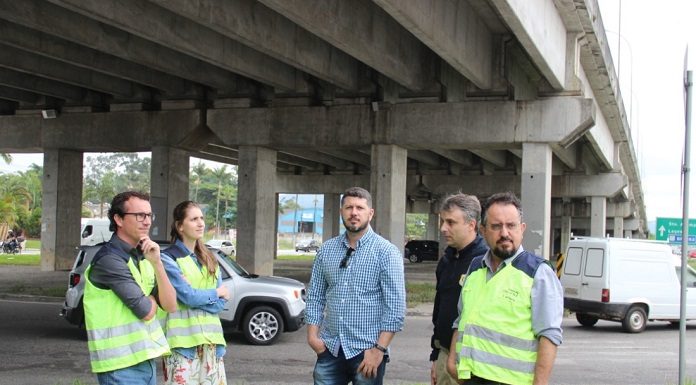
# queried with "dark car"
point(421, 250)
point(307, 246)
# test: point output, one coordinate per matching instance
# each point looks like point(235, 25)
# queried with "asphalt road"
point(37, 347)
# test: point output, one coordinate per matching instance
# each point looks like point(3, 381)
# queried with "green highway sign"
point(670, 229)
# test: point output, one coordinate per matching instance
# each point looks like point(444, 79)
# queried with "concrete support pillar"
point(536, 197)
point(332, 213)
point(62, 208)
point(169, 186)
point(256, 206)
point(598, 217)
point(628, 234)
point(432, 231)
point(618, 227)
point(565, 232)
point(388, 189)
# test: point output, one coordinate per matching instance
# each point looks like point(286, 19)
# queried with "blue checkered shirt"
point(352, 305)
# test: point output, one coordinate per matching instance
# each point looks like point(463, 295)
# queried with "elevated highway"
point(411, 99)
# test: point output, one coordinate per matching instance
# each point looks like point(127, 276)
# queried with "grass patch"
point(417, 293)
point(56, 291)
point(297, 257)
point(20, 259)
point(33, 244)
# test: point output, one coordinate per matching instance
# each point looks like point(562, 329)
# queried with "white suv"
point(222, 244)
point(260, 307)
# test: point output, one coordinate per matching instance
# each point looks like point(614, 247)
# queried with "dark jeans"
point(330, 370)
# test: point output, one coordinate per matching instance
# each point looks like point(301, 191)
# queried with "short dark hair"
point(503, 198)
point(119, 201)
point(357, 192)
point(469, 205)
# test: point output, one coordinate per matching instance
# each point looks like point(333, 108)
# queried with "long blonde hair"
point(204, 256)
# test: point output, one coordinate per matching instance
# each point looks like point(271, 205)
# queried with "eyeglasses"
point(344, 261)
point(499, 226)
point(140, 217)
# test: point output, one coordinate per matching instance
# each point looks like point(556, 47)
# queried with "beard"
point(502, 253)
point(353, 228)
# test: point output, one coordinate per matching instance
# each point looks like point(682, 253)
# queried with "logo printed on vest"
point(511, 295)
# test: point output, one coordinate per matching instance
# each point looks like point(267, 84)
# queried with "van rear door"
point(594, 272)
point(571, 279)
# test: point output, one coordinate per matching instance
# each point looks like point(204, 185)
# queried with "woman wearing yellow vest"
point(194, 332)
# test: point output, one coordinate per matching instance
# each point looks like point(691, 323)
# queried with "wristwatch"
point(380, 348)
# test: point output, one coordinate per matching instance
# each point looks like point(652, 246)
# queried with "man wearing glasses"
point(510, 308)
point(125, 284)
point(357, 299)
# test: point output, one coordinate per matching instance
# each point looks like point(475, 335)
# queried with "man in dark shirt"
point(110, 272)
point(459, 219)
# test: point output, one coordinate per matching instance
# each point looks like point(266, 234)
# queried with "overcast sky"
point(655, 37)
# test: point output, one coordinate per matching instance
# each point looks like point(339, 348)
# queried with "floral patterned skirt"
point(204, 369)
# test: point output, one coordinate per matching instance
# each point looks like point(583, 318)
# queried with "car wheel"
point(262, 325)
point(635, 321)
point(586, 320)
point(413, 258)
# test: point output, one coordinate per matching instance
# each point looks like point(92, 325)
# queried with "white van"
point(94, 231)
point(626, 280)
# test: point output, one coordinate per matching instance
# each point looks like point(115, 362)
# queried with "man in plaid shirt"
point(357, 299)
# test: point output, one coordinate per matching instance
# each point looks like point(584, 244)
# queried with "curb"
point(34, 298)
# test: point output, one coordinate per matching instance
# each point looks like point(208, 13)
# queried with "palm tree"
point(220, 174)
point(198, 171)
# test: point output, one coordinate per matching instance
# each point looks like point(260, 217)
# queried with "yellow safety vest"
point(118, 339)
point(495, 327)
point(187, 327)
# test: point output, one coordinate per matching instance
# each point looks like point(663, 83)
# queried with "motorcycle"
point(11, 247)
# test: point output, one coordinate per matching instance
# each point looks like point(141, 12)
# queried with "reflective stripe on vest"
point(497, 341)
point(187, 327)
point(118, 339)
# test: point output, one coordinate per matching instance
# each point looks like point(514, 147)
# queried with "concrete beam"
point(100, 132)
point(365, 32)
point(318, 157)
point(9, 93)
point(425, 157)
point(65, 51)
point(178, 33)
point(415, 125)
point(538, 27)
point(497, 157)
point(316, 184)
point(461, 157)
point(20, 60)
point(351, 156)
point(577, 186)
point(248, 22)
point(54, 20)
point(453, 30)
point(43, 86)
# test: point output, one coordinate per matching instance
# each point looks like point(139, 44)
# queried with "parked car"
point(307, 245)
point(226, 246)
point(417, 251)
point(260, 307)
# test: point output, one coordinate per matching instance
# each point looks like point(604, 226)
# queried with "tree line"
point(104, 175)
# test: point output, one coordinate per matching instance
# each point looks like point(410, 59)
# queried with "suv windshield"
point(234, 265)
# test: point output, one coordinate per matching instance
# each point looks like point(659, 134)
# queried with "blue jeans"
point(330, 370)
point(139, 374)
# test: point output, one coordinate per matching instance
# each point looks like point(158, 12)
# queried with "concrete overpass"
point(411, 99)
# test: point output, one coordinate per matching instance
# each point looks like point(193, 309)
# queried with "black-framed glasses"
point(140, 217)
point(344, 261)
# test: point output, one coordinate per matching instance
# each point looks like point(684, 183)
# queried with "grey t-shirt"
point(110, 271)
